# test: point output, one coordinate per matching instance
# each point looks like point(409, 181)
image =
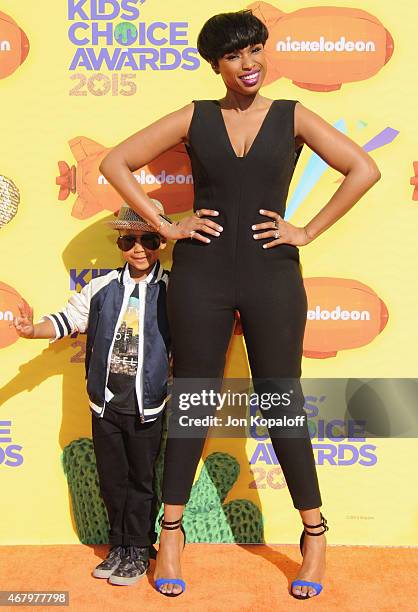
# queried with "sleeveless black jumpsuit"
point(208, 282)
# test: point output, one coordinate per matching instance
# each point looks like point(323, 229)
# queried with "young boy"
point(127, 351)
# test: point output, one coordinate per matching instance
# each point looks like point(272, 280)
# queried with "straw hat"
point(129, 219)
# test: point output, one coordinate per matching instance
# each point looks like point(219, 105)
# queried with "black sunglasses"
point(148, 241)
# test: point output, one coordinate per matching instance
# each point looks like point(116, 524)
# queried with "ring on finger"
point(197, 213)
point(276, 234)
point(192, 232)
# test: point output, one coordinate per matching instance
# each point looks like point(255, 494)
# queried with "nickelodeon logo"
point(319, 314)
point(14, 46)
point(319, 48)
point(144, 178)
point(342, 314)
point(167, 178)
point(325, 45)
point(9, 300)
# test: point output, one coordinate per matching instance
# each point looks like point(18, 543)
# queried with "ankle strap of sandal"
point(323, 524)
point(170, 524)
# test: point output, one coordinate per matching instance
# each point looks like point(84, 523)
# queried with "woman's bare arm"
point(342, 154)
point(140, 149)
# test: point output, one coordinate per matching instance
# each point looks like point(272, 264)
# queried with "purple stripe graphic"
point(383, 138)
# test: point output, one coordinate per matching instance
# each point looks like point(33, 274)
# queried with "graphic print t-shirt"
point(124, 359)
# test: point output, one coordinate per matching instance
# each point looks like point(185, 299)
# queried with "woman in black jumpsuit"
point(209, 281)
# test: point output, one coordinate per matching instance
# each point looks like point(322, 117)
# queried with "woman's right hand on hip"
point(192, 226)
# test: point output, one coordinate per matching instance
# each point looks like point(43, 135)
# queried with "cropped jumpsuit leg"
point(208, 282)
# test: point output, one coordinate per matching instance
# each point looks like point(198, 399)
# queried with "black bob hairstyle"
point(229, 32)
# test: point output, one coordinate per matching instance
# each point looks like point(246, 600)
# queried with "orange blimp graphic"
point(167, 178)
point(9, 300)
point(342, 314)
point(14, 46)
point(320, 48)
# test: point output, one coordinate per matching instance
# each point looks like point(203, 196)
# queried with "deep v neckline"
point(227, 137)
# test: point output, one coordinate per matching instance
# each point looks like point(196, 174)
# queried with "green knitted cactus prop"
point(89, 511)
point(206, 519)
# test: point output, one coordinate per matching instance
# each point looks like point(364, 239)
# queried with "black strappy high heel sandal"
point(316, 585)
point(160, 581)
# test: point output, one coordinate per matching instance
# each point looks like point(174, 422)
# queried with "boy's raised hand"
point(23, 324)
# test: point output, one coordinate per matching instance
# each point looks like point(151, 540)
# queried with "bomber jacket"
point(98, 310)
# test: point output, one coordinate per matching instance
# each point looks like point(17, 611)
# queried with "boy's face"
point(141, 258)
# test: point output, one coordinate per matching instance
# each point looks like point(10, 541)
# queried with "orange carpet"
point(223, 577)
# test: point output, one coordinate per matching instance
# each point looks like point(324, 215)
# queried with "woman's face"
point(243, 70)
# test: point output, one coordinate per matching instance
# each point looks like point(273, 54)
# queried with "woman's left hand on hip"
point(280, 231)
